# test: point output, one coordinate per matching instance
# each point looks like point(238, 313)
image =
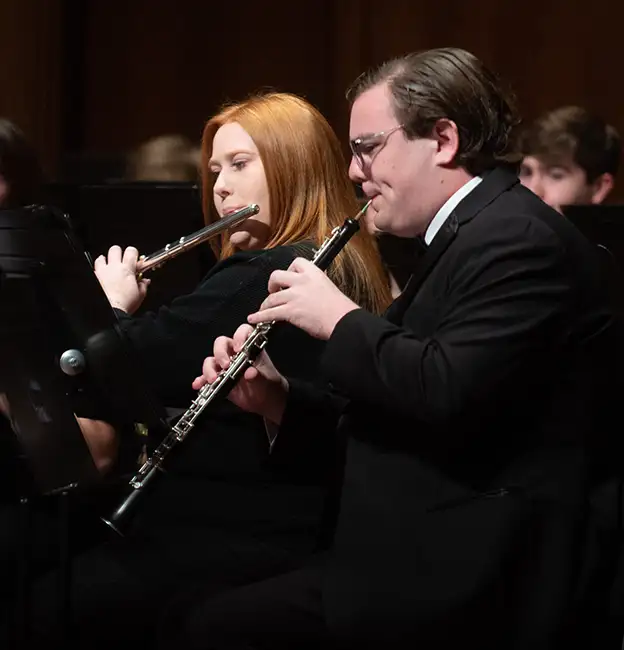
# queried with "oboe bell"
point(173, 249)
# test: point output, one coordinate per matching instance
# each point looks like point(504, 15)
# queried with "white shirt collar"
point(451, 203)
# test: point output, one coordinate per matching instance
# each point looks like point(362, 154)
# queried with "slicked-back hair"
point(452, 84)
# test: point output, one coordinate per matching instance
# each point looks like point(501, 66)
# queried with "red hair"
point(309, 190)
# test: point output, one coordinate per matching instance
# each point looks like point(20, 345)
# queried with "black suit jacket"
point(477, 430)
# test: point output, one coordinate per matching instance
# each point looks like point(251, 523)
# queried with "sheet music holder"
point(600, 223)
point(62, 351)
point(604, 226)
point(62, 354)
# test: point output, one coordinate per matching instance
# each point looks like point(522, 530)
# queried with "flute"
point(173, 249)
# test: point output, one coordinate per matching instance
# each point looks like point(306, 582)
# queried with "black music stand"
point(62, 353)
point(148, 215)
point(604, 226)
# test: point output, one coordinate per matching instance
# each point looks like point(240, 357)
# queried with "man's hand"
point(117, 275)
point(261, 390)
point(306, 298)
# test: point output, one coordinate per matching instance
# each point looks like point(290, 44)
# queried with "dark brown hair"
point(18, 166)
point(449, 83)
point(573, 134)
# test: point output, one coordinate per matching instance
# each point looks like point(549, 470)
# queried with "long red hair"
point(309, 190)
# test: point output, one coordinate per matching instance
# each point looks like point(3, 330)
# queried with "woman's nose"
point(221, 187)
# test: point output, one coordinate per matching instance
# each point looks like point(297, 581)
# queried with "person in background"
point(166, 158)
point(21, 181)
point(570, 157)
point(21, 175)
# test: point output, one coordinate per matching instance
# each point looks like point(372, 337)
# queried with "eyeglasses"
point(364, 147)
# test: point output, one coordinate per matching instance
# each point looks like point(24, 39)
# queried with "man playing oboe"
point(475, 412)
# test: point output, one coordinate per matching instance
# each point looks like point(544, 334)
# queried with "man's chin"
point(380, 222)
point(368, 221)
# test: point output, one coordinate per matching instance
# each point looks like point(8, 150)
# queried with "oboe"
point(222, 385)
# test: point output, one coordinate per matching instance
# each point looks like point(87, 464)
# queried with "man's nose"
point(355, 171)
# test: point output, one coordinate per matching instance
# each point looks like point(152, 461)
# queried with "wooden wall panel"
point(30, 73)
point(155, 67)
point(169, 69)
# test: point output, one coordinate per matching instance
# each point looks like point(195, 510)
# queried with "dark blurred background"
point(89, 80)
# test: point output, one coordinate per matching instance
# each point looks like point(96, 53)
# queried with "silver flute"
point(222, 385)
point(147, 263)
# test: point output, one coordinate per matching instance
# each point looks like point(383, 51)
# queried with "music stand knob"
point(72, 362)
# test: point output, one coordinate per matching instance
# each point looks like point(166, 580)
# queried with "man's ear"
point(446, 135)
point(601, 187)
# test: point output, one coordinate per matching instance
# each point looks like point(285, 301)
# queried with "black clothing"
point(226, 513)
point(479, 428)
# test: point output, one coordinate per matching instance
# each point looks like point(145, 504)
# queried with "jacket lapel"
point(494, 184)
point(434, 251)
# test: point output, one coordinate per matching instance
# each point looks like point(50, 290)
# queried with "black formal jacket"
point(223, 477)
point(477, 428)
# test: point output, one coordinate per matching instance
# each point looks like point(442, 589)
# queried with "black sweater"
point(223, 475)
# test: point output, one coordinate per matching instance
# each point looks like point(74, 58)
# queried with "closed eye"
point(368, 147)
point(557, 173)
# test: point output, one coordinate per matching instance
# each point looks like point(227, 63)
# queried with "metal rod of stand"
point(65, 573)
point(21, 620)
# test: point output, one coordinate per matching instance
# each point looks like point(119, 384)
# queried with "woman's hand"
point(262, 389)
point(117, 275)
point(102, 440)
